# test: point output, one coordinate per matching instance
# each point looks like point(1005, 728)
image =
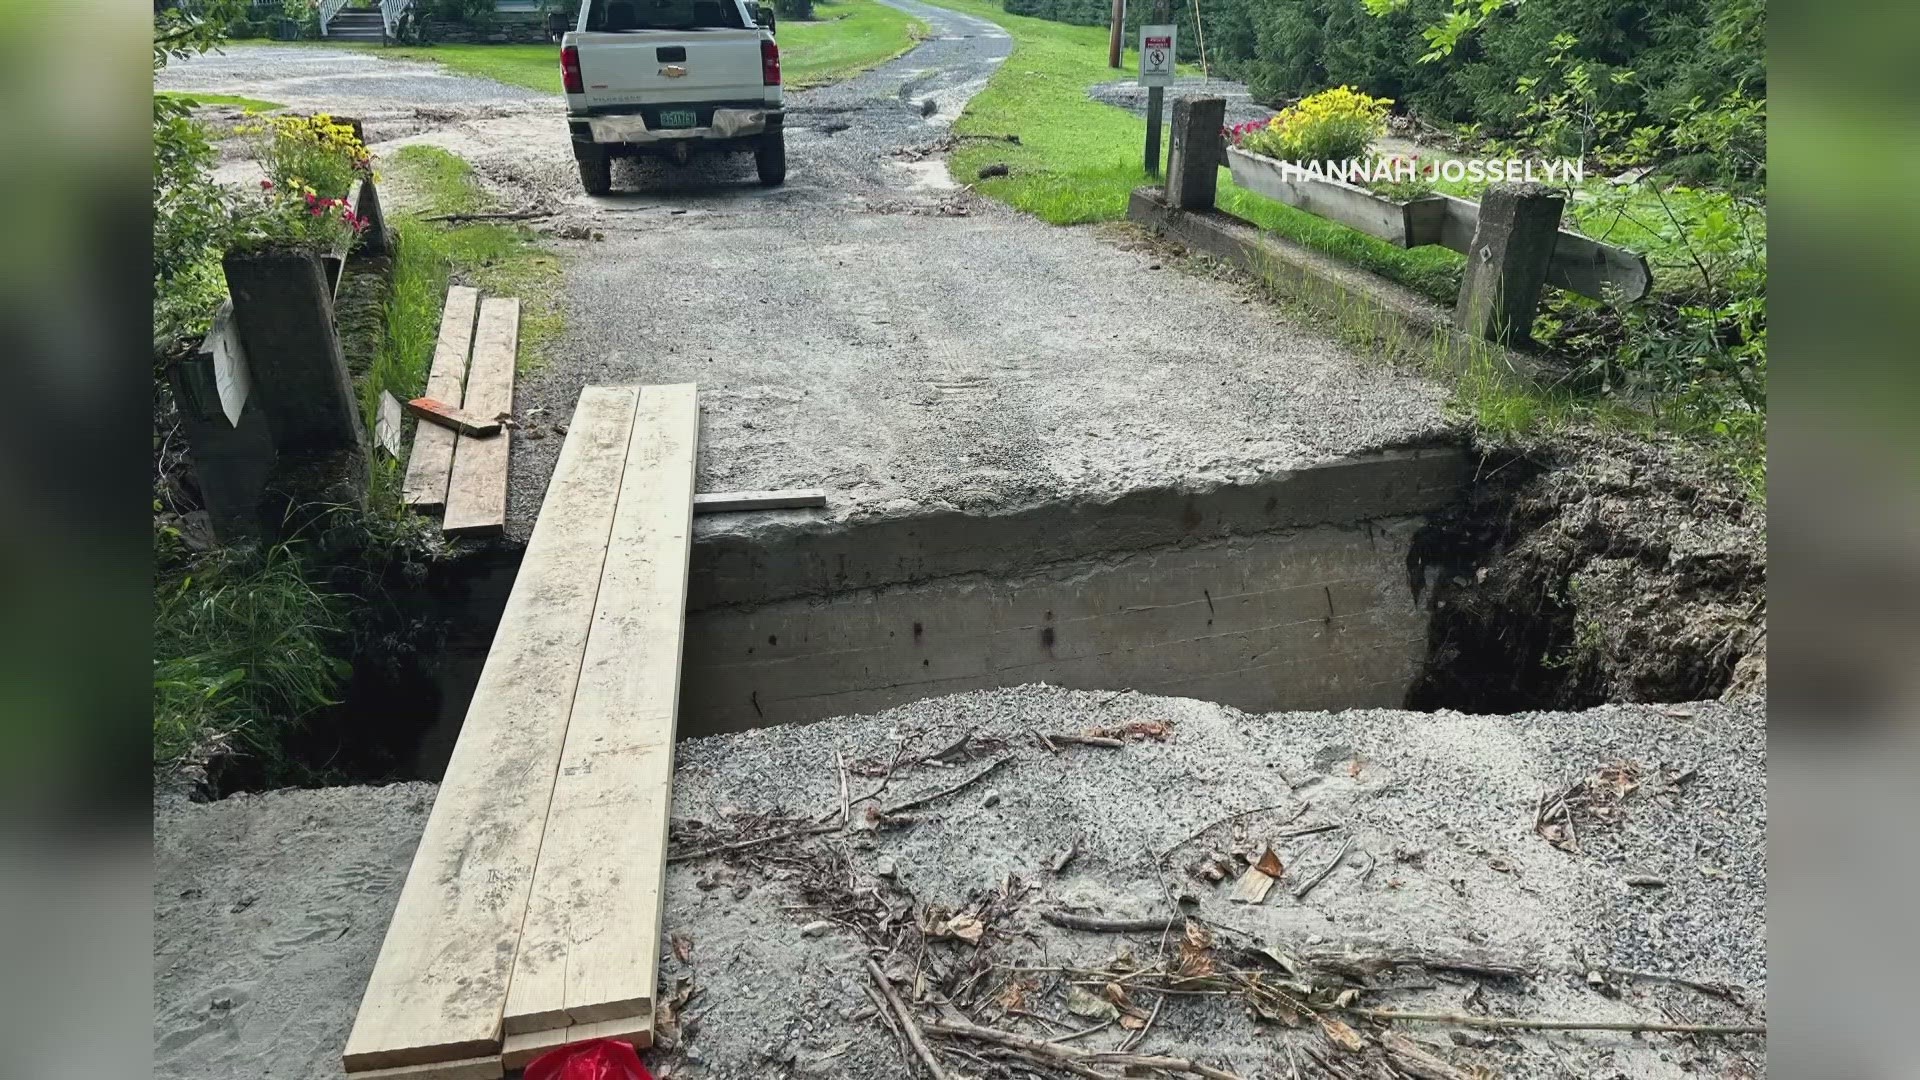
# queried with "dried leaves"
point(1134, 731)
point(1597, 801)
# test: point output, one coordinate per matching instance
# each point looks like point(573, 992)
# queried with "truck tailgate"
point(659, 66)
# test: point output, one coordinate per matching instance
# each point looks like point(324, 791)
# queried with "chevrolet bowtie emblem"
point(673, 71)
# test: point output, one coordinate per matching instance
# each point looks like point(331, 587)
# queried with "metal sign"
point(1156, 55)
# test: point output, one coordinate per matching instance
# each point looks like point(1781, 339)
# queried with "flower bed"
point(1294, 157)
point(313, 165)
point(1403, 223)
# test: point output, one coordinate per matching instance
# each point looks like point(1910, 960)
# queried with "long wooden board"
point(1580, 264)
point(440, 984)
point(481, 1068)
point(589, 950)
point(477, 489)
point(520, 1049)
point(721, 502)
point(428, 467)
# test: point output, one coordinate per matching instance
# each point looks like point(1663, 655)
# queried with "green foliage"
point(189, 224)
point(189, 209)
point(1462, 61)
point(793, 9)
point(243, 648)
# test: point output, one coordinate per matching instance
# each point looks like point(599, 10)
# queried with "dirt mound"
point(1594, 569)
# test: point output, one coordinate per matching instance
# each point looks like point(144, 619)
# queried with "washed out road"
point(872, 327)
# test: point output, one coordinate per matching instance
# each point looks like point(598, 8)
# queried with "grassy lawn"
point(844, 40)
point(1078, 159)
point(499, 260)
point(246, 104)
point(849, 37)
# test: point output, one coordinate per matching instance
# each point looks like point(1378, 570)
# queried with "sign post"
point(1156, 74)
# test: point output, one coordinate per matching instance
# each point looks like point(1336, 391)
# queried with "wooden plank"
point(387, 424)
point(440, 983)
point(425, 488)
point(1580, 264)
point(477, 489)
point(589, 950)
point(1586, 266)
point(720, 502)
point(448, 416)
point(1349, 204)
point(480, 1068)
point(517, 1050)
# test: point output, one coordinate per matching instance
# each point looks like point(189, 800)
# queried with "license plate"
point(678, 118)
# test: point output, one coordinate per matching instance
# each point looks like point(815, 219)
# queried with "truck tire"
point(770, 159)
point(596, 175)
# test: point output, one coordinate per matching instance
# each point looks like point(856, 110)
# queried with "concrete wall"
point(1290, 593)
point(1320, 618)
point(752, 559)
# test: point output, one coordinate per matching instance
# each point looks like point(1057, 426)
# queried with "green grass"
point(845, 39)
point(1078, 159)
point(536, 67)
point(499, 260)
point(849, 37)
point(243, 648)
point(246, 104)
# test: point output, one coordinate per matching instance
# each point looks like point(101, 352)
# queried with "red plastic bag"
point(597, 1059)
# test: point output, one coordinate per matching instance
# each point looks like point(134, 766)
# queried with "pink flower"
point(266, 185)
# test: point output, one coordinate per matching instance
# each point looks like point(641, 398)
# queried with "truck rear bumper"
point(631, 129)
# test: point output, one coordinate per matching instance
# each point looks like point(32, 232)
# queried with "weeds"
point(245, 647)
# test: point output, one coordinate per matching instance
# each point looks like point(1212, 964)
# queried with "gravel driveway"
point(873, 329)
point(347, 81)
point(870, 327)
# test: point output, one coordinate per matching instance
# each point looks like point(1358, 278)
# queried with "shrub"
point(1332, 125)
point(793, 9)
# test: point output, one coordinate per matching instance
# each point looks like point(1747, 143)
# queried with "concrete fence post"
point(283, 308)
point(228, 439)
point(1507, 262)
point(1196, 152)
point(375, 241)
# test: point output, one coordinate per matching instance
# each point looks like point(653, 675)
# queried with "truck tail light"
point(769, 63)
point(570, 70)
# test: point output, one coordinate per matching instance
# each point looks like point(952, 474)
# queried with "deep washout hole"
point(1562, 580)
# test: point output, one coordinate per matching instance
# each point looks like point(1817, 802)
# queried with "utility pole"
point(1119, 21)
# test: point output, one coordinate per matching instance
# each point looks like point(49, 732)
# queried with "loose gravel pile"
point(766, 945)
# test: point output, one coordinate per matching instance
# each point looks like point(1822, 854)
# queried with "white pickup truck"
point(668, 78)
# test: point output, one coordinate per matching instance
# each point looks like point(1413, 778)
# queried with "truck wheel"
point(770, 158)
point(596, 175)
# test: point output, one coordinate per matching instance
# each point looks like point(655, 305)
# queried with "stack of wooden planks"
point(461, 474)
point(531, 915)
